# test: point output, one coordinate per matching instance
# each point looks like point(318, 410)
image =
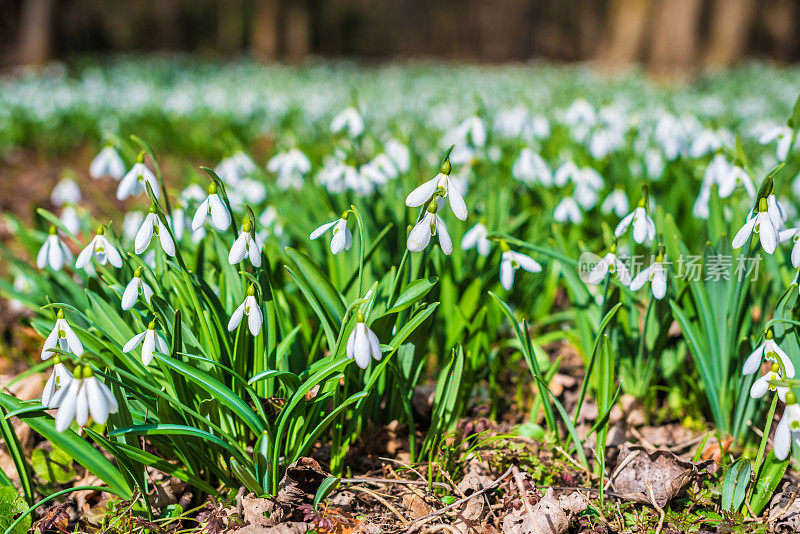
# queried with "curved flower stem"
point(360, 223)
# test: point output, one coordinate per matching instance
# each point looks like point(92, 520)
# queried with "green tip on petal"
point(360, 317)
point(60, 314)
point(152, 208)
point(78, 372)
point(247, 227)
point(152, 325)
point(101, 230)
point(140, 157)
point(504, 246)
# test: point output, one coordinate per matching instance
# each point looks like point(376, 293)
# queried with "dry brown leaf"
point(258, 511)
point(660, 470)
point(283, 528)
point(550, 515)
point(300, 483)
point(784, 509)
point(416, 506)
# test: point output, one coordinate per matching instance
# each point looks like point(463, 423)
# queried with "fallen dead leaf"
point(550, 515)
point(300, 483)
point(784, 509)
point(258, 511)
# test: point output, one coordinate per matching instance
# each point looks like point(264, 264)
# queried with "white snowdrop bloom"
point(131, 223)
point(85, 396)
point(539, 127)
point(150, 342)
point(530, 168)
point(245, 247)
point(728, 177)
point(568, 210)
point(348, 120)
point(363, 344)
point(510, 261)
point(342, 237)
point(430, 225)
point(61, 337)
point(379, 170)
point(776, 211)
point(193, 193)
point(708, 141)
point(616, 202)
point(152, 225)
point(567, 172)
point(57, 385)
point(473, 130)
point(235, 167)
point(290, 167)
point(768, 350)
point(69, 218)
point(670, 134)
point(788, 428)
point(644, 229)
point(65, 192)
point(180, 221)
point(580, 117)
point(22, 285)
point(609, 263)
point(214, 206)
point(53, 252)
point(442, 183)
point(250, 308)
point(337, 176)
point(476, 237)
point(399, 154)
point(654, 163)
point(604, 141)
point(792, 234)
point(761, 223)
point(137, 286)
point(247, 190)
point(656, 275)
point(586, 196)
point(101, 249)
point(781, 134)
point(510, 123)
point(107, 163)
point(765, 383)
point(132, 184)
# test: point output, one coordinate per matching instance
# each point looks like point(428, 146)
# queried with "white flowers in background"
point(616, 202)
point(568, 210)
point(610, 263)
point(137, 286)
point(107, 163)
point(214, 206)
point(61, 337)
point(235, 167)
point(727, 177)
point(379, 170)
point(249, 190)
point(530, 168)
point(250, 308)
point(768, 350)
point(132, 184)
point(101, 249)
point(430, 225)
point(53, 252)
point(342, 237)
point(763, 224)
point(709, 141)
point(399, 154)
point(152, 225)
point(442, 185)
point(245, 246)
point(85, 396)
point(290, 167)
point(792, 234)
point(476, 237)
point(69, 218)
point(580, 117)
point(788, 429)
point(65, 192)
point(339, 174)
point(656, 275)
point(363, 343)
point(644, 229)
point(150, 342)
point(510, 261)
point(57, 385)
point(348, 120)
point(781, 134)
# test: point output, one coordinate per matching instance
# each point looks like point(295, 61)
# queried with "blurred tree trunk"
point(674, 34)
point(266, 29)
point(625, 32)
point(230, 26)
point(33, 47)
point(297, 31)
point(168, 23)
point(781, 20)
point(731, 24)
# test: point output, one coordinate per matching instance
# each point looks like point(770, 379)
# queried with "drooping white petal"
point(374, 345)
point(82, 406)
point(624, 223)
point(420, 235)
point(506, 273)
point(339, 239)
point(527, 263)
point(760, 386)
point(219, 213)
point(743, 234)
point(133, 342)
point(98, 405)
point(238, 249)
point(236, 317)
point(782, 443)
point(423, 193)
point(166, 240)
point(86, 255)
point(599, 270)
point(659, 284)
point(66, 412)
point(753, 362)
point(322, 229)
point(767, 233)
point(148, 346)
point(145, 234)
point(254, 318)
point(200, 215)
point(457, 203)
point(42, 256)
point(361, 348)
point(72, 340)
point(444, 238)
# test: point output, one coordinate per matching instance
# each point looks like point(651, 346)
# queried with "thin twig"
point(523, 493)
point(628, 459)
point(661, 513)
point(383, 502)
point(370, 480)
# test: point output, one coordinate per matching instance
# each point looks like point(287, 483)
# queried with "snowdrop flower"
point(291, 167)
point(350, 120)
point(363, 343)
point(580, 117)
point(247, 189)
point(568, 210)
point(235, 167)
point(443, 184)
point(399, 154)
point(69, 218)
point(644, 229)
point(53, 252)
point(102, 250)
point(245, 246)
point(529, 168)
point(510, 261)
point(85, 396)
point(792, 234)
point(132, 184)
point(776, 211)
point(137, 286)
point(427, 227)
point(656, 275)
point(616, 202)
point(250, 308)
point(65, 192)
point(107, 163)
point(61, 337)
point(213, 205)
point(152, 225)
point(610, 263)
point(763, 383)
point(57, 385)
point(342, 237)
point(476, 237)
point(567, 172)
point(763, 225)
point(150, 342)
point(131, 223)
point(788, 428)
point(708, 141)
point(770, 351)
point(782, 134)
point(179, 221)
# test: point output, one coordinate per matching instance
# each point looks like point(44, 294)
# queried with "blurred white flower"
point(53, 252)
point(781, 134)
point(510, 261)
point(530, 168)
point(568, 210)
point(107, 163)
point(349, 120)
point(132, 184)
point(788, 428)
point(69, 218)
point(399, 154)
point(65, 192)
point(476, 237)
point(616, 202)
point(235, 167)
point(342, 237)
point(290, 167)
